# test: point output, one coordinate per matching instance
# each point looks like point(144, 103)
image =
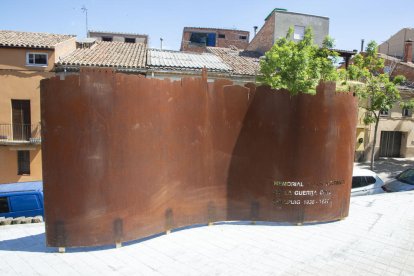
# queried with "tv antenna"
point(85, 10)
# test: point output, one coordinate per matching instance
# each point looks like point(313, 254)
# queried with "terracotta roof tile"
point(242, 62)
point(108, 54)
point(31, 40)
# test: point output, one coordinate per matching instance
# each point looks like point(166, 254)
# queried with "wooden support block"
point(62, 250)
point(167, 231)
point(210, 223)
point(299, 224)
point(118, 244)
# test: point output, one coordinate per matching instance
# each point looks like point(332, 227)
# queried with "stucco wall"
point(64, 48)
point(284, 20)
point(8, 169)
point(119, 37)
point(394, 46)
point(20, 85)
point(395, 122)
point(15, 58)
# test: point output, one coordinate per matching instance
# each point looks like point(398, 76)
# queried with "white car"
point(365, 182)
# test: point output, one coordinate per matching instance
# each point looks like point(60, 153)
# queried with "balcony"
point(20, 134)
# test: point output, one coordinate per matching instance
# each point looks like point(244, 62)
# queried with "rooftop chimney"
point(408, 51)
point(255, 30)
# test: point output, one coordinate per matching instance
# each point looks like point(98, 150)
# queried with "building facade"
point(198, 39)
point(118, 37)
point(277, 24)
point(395, 135)
point(395, 45)
point(25, 59)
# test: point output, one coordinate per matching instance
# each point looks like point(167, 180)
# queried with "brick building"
point(197, 39)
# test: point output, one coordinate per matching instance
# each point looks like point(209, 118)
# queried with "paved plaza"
point(376, 239)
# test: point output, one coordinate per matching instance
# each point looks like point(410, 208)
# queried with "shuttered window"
point(23, 162)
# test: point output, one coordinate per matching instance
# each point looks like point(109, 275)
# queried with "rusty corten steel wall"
point(126, 157)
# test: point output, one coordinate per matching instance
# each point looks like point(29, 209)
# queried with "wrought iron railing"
point(24, 133)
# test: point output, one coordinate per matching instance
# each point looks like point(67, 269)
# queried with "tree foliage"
point(298, 66)
point(376, 87)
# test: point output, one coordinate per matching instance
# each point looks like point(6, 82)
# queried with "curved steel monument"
point(126, 157)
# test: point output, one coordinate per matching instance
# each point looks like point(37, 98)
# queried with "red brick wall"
point(404, 69)
point(264, 39)
point(232, 38)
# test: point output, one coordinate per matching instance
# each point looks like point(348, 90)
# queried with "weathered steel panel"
point(126, 157)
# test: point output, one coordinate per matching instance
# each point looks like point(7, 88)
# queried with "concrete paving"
point(376, 239)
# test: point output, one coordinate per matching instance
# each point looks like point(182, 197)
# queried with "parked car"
point(402, 182)
point(365, 182)
point(21, 204)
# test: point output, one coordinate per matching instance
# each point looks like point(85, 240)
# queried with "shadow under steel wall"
point(126, 157)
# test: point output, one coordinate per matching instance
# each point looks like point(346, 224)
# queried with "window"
point(299, 32)
point(21, 119)
point(203, 39)
point(407, 176)
point(359, 181)
point(106, 38)
point(384, 113)
point(129, 40)
point(221, 36)
point(36, 59)
point(243, 37)
point(406, 112)
point(370, 180)
point(4, 205)
point(24, 203)
point(23, 162)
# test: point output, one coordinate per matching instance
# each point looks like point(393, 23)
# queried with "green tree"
point(298, 66)
point(380, 93)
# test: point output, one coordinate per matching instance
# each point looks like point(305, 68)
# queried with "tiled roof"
point(184, 61)
point(108, 54)
point(241, 62)
point(31, 40)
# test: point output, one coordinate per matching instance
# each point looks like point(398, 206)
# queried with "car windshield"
point(407, 177)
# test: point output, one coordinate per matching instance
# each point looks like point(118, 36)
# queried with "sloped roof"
point(240, 61)
point(108, 54)
point(166, 59)
point(31, 40)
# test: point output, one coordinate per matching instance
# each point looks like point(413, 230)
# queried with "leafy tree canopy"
point(381, 93)
point(298, 66)
point(375, 86)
